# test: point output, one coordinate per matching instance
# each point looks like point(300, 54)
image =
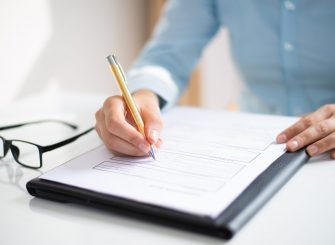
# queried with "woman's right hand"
point(118, 131)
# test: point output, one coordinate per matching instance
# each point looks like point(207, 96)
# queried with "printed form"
point(207, 159)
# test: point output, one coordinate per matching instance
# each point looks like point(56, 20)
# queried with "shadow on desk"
point(80, 214)
point(14, 174)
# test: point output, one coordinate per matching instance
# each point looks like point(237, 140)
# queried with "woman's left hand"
point(316, 131)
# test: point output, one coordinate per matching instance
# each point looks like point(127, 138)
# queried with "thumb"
point(148, 105)
point(153, 123)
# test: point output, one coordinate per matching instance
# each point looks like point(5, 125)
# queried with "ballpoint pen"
point(122, 84)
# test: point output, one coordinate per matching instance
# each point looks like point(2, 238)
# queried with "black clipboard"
point(224, 226)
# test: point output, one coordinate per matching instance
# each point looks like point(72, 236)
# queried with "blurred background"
point(61, 45)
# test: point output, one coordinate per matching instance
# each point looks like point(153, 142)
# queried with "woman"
point(283, 50)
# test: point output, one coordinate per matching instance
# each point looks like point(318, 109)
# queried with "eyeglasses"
point(29, 154)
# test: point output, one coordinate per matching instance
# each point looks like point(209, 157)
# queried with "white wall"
point(64, 43)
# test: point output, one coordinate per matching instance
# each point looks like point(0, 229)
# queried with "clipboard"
point(225, 226)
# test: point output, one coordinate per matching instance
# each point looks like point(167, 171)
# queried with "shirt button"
point(289, 5)
point(288, 46)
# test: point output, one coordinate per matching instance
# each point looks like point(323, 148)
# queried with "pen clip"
point(121, 70)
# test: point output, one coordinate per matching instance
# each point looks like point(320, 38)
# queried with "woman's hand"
point(316, 130)
point(116, 127)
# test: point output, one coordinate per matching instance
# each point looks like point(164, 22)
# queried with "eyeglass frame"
point(7, 144)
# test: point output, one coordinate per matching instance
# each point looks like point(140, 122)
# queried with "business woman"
point(284, 51)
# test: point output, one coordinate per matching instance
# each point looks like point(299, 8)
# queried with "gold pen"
point(122, 83)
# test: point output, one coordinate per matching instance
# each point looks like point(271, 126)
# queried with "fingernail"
point(293, 145)
point(281, 138)
point(159, 142)
point(143, 147)
point(312, 150)
point(154, 135)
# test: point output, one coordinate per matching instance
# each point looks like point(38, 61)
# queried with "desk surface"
point(302, 212)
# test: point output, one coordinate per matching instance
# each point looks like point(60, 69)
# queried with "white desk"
point(303, 212)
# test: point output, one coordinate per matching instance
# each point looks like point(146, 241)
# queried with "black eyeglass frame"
point(7, 144)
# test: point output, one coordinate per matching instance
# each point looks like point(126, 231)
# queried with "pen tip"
point(152, 153)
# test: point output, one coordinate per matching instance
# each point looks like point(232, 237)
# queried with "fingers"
point(121, 147)
point(117, 145)
point(150, 113)
point(114, 111)
point(332, 154)
point(159, 143)
point(118, 131)
point(325, 144)
point(316, 130)
point(313, 133)
point(153, 126)
point(306, 122)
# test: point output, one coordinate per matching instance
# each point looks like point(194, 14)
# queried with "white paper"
point(207, 159)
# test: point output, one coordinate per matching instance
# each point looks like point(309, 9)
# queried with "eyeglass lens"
point(2, 148)
point(26, 154)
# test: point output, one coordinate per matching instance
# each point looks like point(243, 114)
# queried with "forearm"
point(166, 62)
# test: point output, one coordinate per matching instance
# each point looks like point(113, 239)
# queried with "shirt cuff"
point(158, 80)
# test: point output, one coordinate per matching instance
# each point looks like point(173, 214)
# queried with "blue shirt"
point(284, 51)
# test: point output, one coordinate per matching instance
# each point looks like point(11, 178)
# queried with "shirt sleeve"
point(166, 62)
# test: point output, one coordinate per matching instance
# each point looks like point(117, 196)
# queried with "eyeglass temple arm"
point(73, 126)
point(65, 142)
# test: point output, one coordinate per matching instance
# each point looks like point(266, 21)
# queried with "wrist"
point(147, 95)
